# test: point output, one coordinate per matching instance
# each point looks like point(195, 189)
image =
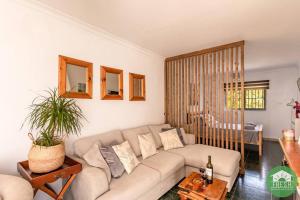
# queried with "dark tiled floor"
point(252, 185)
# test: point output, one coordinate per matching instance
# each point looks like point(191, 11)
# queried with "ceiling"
point(271, 28)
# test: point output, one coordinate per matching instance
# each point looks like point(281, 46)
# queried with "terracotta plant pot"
point(43, 159)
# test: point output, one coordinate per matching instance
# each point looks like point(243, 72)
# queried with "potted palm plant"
point(53, 119)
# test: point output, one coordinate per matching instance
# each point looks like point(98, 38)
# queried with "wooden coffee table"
point(215, 191)
point(41, 181)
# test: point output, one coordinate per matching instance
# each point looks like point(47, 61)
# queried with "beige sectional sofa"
point(156, 174)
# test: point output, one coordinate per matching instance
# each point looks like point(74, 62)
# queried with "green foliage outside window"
point(233, 100)
point(254, 99)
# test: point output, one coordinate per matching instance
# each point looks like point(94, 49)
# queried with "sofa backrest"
point(82, 145)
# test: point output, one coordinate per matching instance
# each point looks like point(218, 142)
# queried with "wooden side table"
point(69, 170)
point(215, 191)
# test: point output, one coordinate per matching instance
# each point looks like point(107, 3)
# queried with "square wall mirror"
point(137, 87)
point(111, 83)
point(75, 78)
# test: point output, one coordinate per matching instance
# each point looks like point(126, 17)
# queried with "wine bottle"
point(209, 171)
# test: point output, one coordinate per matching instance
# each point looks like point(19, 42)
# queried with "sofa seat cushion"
point(132, 186)
point(224, 161)
point(165, 162)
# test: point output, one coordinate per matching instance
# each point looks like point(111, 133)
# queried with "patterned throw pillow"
point(126, 156)
point(112, 160)
point(147, 145)
point(170, 139)
point(178, 130)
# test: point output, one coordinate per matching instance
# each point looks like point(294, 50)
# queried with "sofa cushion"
point(82, 145)
point(147, 145)
point(132, 186)
point(94, 158)
point(165, 162)
point(111, 158)
point(185, 136)
point(126, 156)
point(224, 161)
point(170, 139)
point(156, 129)
point(180, 133)
point(131, 136)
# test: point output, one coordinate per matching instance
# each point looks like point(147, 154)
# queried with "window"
point(255, 96)
point(255, 99)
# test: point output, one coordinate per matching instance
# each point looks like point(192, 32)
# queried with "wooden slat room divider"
point(202, 92)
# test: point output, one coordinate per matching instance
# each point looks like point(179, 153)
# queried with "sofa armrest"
point(190, 138)
point(90, 183)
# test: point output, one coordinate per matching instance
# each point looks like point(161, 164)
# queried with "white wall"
point(283, 87)
point(31, 38)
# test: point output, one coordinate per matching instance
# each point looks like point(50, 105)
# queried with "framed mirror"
point(111, 83)
point(137, 87)
point(75, 78)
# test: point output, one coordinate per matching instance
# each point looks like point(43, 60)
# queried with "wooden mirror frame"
point(104, 95)
point(62, 74)
point(132, 76)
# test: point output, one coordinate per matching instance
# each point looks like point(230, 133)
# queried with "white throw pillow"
point(94, 158)
point(126, 156)
point(147, 145)
point(170, 139)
